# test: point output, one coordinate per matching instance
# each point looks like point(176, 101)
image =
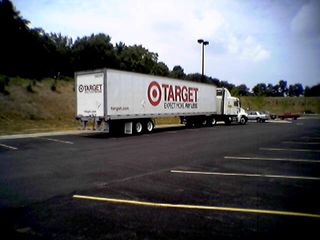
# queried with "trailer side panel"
point(138, 95)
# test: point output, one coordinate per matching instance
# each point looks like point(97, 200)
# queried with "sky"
point(250, 41)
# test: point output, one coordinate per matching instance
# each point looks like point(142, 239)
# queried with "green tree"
point(14, 30)
point(295, 90)
point(24, 52)
point(241, 90)
point(269, 90)
point(136, 58)
point(62, 54)
point(313, 91)
point(177, 72)
point(260, 89)
point(215, 81)
point(227, 85)
point(93, 52)
point(283, 89)
point(160, 69)
point(195, 77)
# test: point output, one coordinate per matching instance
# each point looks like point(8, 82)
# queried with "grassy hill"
point(35, 106)
point(279, 105)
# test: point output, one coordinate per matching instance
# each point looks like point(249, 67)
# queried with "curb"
point(44, 134)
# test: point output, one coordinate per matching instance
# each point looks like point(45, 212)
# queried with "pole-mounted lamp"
point(203, 43)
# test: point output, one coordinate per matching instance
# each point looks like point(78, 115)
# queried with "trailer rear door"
point(90, 94)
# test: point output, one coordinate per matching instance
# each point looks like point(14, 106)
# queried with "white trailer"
point(115, 99)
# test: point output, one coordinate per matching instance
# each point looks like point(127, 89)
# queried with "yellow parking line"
point(197, 207)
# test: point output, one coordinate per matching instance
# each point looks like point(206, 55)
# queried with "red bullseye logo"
point(154, 93)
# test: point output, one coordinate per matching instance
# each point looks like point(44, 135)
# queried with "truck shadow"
point(104, 135)
point(118, 134)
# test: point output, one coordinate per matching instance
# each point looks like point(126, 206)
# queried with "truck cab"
point(229, 108)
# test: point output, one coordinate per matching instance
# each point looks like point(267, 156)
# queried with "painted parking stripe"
point(311, 138)
point(57, 140)
point(278, 121)
point(302, 143)
point(246, 175)
point(273, 159)
point(197, 207)
point(9, 147)
point(289, 149)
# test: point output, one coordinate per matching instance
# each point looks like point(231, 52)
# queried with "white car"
point(257, 116)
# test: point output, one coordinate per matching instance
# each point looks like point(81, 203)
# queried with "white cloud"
point(246, 48)
point(254, 50)
point(230, 41)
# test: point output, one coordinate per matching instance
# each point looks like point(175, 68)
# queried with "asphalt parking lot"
point(256, 181)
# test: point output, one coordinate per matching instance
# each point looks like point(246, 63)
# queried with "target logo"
point(81, 88)
point(154, 93)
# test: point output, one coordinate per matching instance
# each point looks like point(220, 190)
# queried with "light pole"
point(203, 43)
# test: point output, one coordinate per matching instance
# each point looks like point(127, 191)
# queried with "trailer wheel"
point(204, 123)
point(189, 123)
point(213, 121)
point(138, 127)
point(149, 126)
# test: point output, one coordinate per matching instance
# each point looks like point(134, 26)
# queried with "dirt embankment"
point(36, 106)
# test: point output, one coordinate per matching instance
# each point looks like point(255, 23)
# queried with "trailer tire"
point(149, 126)
point(213, 121)
point(138, 127)
point(189, 123)
point(205, 123)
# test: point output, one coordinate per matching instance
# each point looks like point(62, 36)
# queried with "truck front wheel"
point(243, 120)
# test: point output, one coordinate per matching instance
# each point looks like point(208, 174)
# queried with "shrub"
point(30, 88)
point(4, 81)
point(53, 87)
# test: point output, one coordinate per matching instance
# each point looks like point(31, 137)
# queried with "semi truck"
point(130, 102)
